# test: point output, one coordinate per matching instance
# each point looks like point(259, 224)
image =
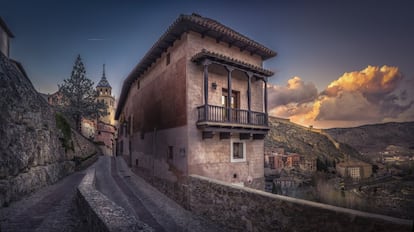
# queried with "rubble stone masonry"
point(245, 209)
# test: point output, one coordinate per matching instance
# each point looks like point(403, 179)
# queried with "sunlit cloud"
point(372, 95)
point(296, 91)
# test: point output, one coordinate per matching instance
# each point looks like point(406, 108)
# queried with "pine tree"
point(79, 96)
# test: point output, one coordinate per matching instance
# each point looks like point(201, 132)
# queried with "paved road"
point(144, 201)
point(50, 209)
point(53, 208)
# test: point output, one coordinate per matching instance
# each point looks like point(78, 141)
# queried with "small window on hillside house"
point(138, 84)
point(238, 151)
point(142, 135)
point(168, 59)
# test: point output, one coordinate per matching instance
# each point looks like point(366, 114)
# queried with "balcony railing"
point(237, 116)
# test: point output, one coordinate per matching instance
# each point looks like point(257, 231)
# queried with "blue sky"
point(317, 41)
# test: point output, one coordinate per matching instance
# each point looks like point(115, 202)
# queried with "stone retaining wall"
point(102, 214)
point(245, 209)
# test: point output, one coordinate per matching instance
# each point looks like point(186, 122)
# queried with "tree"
point(79, 96)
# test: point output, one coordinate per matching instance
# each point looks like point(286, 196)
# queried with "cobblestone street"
point(53, 208)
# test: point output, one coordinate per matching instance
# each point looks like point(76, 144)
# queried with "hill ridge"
point(308, 141)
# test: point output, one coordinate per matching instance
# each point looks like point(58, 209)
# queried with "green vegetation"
point(63, 125)
point(79, 96)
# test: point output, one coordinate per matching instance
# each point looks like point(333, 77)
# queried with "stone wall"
point(102, 214)
point(175, 190)
point(244, 209)
point(31, 150)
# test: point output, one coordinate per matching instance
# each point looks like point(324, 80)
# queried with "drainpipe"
point(154, 150)
point(130, 152)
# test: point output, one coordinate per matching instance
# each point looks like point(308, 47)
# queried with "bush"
point(63, 125)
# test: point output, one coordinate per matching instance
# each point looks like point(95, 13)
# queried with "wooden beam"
point(253, 51)
point(258, 136)
point(225, 135)
point(243, 48)
point(203, 33)
point(244, 136)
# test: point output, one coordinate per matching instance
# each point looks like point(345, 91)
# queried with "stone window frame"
point(236, 160)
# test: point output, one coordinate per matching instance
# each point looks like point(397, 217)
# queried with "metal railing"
point(238, 116)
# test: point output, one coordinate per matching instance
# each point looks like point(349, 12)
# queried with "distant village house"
point(356, 170)
point(278, 160)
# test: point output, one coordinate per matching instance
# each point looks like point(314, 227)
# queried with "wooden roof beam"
point(243, 48)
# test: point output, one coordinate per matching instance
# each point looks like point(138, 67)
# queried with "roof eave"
point(6, 28)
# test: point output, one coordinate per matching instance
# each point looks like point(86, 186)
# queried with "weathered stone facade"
point(31, 151)
point(159, 108)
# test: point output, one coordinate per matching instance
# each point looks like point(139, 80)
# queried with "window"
point(142, 135)
point(272, 162)
point(237, 151)
point(168, 58)
point(170, 154)
point(235, 98)
point(234, 104)
point(138, 84)
point(121, 148)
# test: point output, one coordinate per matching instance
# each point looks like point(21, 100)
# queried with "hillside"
point(378, 137)
point(306, 141)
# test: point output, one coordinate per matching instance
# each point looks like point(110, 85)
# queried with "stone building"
point(104, 90)
point(55, 99)
point(308, 163)
point(5, 36)
point(354, 169)
point(197, 104)
point(105, 130)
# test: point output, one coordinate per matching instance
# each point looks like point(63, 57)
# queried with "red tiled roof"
point(204, 26)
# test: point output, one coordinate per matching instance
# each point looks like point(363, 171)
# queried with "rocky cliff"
point(307, 141)
point(32, 145)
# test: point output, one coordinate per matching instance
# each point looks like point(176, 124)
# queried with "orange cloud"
point(372, 80)
point(372, 95)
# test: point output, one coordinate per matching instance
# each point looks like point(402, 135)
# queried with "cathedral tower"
point(104, 90)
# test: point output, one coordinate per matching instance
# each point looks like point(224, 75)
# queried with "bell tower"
point(104, 90)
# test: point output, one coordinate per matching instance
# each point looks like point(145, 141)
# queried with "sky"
point(339, 63)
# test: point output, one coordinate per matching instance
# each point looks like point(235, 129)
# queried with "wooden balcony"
point(220, 118)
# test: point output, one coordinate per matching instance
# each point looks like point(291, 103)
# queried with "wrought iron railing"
point(213, 113)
